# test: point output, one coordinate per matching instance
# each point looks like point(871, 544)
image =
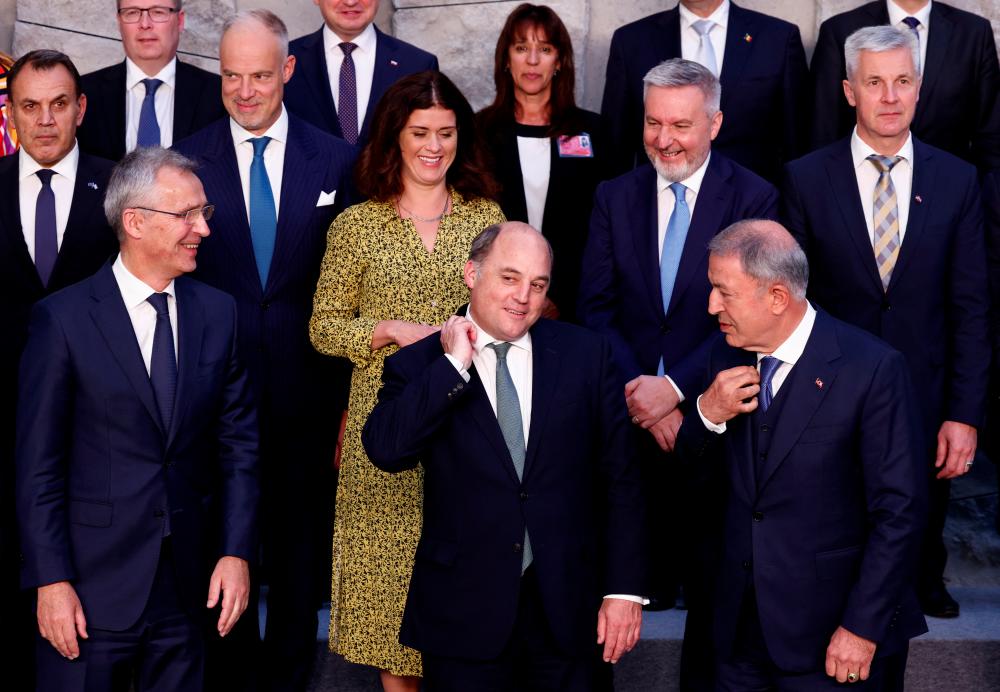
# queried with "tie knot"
point(259, 144)
point(159, 302)
point(768, 365)
point(703, 26)
point(45, 175)
point(348, 48)
point(884, 164)
point(679, 189)
point(911, 22)
point(151, 85)
point(501, 348)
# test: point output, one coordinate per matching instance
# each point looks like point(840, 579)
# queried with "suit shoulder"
point(858, 342)
point(765, 22)
point(966, 20)
point(195, 143)
point(209, 296)
point(627, 182)
point(817, 158)
point(102, 74)
point(96, 164)
point(322, 139)
point(743, 178)
point(846, 22)
point(305, 43)
point(410, 51)
point(952, 165)
point(650, 25)
point(196, 73)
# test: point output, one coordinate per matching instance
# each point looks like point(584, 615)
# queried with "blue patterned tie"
point(509, 418)
point(46, 237)
point(263, 217)
point(149, 129)
point(163, 363)
point(913, 23)
point(768, 366)
point(347, 101)
point(673, 243)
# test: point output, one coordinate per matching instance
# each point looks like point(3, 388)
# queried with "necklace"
point(428, 219)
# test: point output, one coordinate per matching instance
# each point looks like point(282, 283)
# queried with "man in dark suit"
point(277, 182)
point(152, 98)
point(758, 59)
point(958, 109)
point(52, 234)
point(991, 431)
point(893, 229)
point(346, 66)
point(532, 510)
point(826, 497)
point(136, 468)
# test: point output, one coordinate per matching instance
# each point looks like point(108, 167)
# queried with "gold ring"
point(852, 677)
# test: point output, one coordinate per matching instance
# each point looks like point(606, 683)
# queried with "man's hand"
point(650, 398)
point(665, 430)
point(619, 623)
point(848, 653)
point(60, 617)
point(956, 448)
point(724, 399)
point(457, 337)
point(231, 577)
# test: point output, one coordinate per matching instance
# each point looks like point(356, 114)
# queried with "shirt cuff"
point(628, 597)
point(718, 429)
point(680, 394)
point(458, 366)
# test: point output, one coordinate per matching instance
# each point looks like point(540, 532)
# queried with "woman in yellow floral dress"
point(391, 275)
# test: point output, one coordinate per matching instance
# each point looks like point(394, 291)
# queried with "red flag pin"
point(819, 383)
point(748, 38)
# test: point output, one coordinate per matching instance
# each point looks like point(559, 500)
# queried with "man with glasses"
point(152, 98)
point(136, 459)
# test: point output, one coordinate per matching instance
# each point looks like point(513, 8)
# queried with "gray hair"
point(678, 72)
point(767, 252)
point(879, 39)
point(269, 20)
point(177, 4)
point(482, 244)
point(133, 181)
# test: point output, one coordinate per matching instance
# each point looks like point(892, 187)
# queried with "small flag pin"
point(918, 199)
point(92, 185)
point(748, 38)
point(394, 63)
point(819, 383)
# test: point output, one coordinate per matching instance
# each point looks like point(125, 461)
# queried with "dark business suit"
point(957, 110)
point(87, 243)
point(991, 206)
point(300, 393)
point(763, 79)
point(196, 104)
point(935, 309)
point(579, 498)
point(97, 472)
point(307, 93)
point(825, 506)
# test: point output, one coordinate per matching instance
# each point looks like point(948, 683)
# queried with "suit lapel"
point(738, 431)
point(315, 72)
point(923, 185)
point(737, 51)
point(485, 417)
point(844, 186)
point(385, 75)
point(301, 179)
point(113, 117)
point(190, 330)
point(10, 223)
point(670, 47)
point(184, 106)
point(936, 62)
point(545, 365)
point(85, 207)
point(644, 220)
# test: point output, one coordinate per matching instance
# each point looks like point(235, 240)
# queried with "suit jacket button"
point(524, 496)
point(460, 385)
point(758, 516)
point(517, 547)
point(764, 428)
point(665, 329)
point(747, 564)
point(265, 305)
point(886, 307)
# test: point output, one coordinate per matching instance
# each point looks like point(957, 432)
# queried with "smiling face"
point(427, 146)
point(532, 62)
point(347, 18)
point(742, 306)
point(46, 112)
point(254, 73)
point(678, 132)
point(884, 90)
point(151, 45)
point(508, 287)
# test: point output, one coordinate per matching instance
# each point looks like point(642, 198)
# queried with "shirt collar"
point(791, 348)
point(860, 151)
point(897, 15)
point(134, 290)
point(483, 339)
point(692, 182)
point(720, 16)
point(134, 75)
point(278, 131)
point(66, 167)
point(365, 41)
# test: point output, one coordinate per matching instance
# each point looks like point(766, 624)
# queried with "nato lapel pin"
point(748, 38)
point(92, 185)
point(918, 199)
point(819, 383)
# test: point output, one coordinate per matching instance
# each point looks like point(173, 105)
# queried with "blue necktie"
point(263, 218)
point(706, 51)
point(163, 363)
point(509, 418)
point(46, 240)
point(673, 243)
point(913, 23)
point(768, 366)
point(347, 101)
point(149, 129)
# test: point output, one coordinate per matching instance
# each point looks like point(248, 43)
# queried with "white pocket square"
point(326, 198)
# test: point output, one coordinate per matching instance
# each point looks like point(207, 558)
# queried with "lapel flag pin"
point(92, 185)
point(748, 38)
point(819, 383)
point(394, 63)
point(918, 199)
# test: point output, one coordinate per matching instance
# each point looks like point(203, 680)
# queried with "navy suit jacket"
point(991, 204)
point(308, 95)
point(957, 110)
point(764, 82)
point(935, 309)
point(829, 527)
point(620, 292)
point(196, 104)
point(96, 470)
point(579, 498)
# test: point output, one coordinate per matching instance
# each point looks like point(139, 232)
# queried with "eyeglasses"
point(190, 217)
point(158, 13)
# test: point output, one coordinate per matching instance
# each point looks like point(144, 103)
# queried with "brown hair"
point(378, 173)
point(43, 61)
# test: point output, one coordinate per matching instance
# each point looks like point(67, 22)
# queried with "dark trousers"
point(530, 662)
point(933, 554)
point(162, 652)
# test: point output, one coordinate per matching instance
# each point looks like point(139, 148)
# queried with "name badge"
point(576, 147)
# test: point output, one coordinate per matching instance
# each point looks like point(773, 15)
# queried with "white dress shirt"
point(535, 156)
point(29, 185)
point(690, 39)
point(896, 17)
point(141, 311)
point(364, 66)
point(274, 156)
point(867, 175)
point(163, 101)
point(788, 353)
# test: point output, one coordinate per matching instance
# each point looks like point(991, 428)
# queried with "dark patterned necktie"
point(163, 363)
point(46, 238)
point(347, 103)
point(149, 129)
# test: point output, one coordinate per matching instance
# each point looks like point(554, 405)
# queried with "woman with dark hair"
point(548, 155)
point(391, 275)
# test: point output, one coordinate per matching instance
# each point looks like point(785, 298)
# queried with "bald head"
point(483, 242)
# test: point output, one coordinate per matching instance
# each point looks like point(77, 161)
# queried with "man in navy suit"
point(893, 229)
point(151, 98)
point(277, 183)
point(811, 421)
point(958, 109)
point(40, 253)
point(348, 62)
point(136, 450)
point(758, 59)
point(531, 549)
